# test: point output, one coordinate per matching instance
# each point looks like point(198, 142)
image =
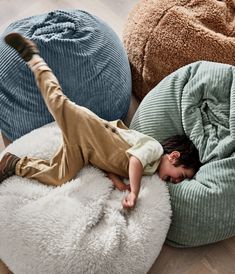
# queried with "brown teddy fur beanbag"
point(162, 35)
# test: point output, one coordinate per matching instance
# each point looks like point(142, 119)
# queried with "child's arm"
point(117, 182)
point(135, 175)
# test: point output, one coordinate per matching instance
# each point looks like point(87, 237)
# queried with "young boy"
point(88, 139)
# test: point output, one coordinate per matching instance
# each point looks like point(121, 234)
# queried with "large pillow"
point(81, 226)
point(85, 54)
point(163, 35)
point(198, 100)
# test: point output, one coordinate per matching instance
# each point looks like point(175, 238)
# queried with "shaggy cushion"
point(198, 100)
point(79, 227)
point(86, 56)
point(163, 35)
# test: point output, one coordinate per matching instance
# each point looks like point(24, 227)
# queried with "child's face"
point(167, 170)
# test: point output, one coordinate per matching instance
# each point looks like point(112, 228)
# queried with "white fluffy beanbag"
point(79, 227)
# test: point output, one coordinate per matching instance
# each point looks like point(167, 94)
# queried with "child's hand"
point(117, 182)
point(129, 201)
point(123, 187)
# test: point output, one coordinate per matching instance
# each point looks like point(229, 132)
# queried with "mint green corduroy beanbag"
point(198, 100)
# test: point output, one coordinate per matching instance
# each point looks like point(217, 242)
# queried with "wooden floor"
point(217, 258)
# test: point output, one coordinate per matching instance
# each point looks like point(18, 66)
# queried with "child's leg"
point(60, 169)
point(62, 109)
point(7, 165)
point(86, 137)
point(68, 160)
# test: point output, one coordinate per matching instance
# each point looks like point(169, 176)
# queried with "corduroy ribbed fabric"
point(83, 52)
point(198, 100)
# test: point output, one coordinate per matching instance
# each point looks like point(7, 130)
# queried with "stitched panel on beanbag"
point(163, 35)
point(85, 54)
point(198, 100)
point(81, 226)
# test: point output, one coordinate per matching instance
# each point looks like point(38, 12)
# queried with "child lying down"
point(88, 139)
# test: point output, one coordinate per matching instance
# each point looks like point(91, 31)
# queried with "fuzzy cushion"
point(198, 100)
point(163, 35)
point(79, 227)
point(85, 54)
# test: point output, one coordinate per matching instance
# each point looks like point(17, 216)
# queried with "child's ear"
point(174, 156)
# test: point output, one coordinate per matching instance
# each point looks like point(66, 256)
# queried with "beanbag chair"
point(85, 54)
point(198, 100)
point(161, 36)
point(79, 227)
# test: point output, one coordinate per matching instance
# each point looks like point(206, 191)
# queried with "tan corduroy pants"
point(86, 139)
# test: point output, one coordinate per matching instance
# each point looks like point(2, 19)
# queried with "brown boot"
point(7, 165)
point(25, 47)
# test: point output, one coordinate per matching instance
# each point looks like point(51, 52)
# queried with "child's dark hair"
point(189, 156)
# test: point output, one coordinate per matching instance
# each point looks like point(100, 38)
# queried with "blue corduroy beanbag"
point(86, 56)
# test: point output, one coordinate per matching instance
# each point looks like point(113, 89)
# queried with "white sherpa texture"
point(79, 227)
